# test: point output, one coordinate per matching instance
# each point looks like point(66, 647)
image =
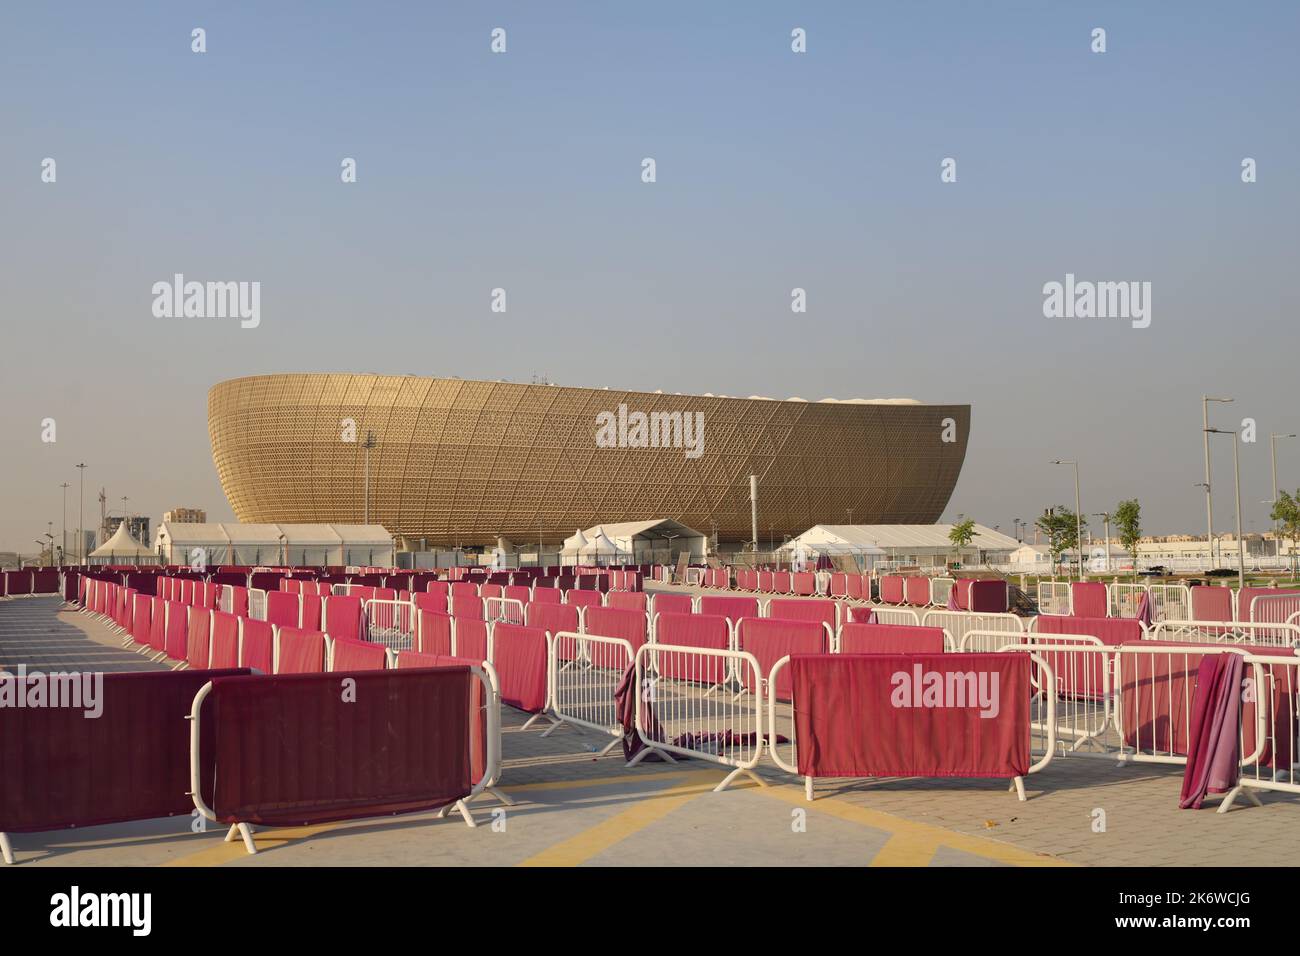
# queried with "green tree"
point(1128, 522)
point(1061, 527)
point(961, 535)
point(1286, 512)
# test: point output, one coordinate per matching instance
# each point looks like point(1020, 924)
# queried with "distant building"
point(185, 516)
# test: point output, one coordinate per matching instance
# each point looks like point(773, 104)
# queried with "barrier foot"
point(5, 849)
point(500, 795)
point(729, 778)
point(464, 812)
point(808, 788)
point(611, 745)
point(1018, 784)
point(1230, 797)
point(535, 718)
point(231, 833)
point(247, 833)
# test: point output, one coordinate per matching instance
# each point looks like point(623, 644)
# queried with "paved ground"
point(575, 807)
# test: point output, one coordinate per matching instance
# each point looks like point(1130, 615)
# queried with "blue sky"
point(775, 170)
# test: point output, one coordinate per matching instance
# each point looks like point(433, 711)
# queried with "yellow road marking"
point(648, 809)
point(225, 852)
point(912, 841)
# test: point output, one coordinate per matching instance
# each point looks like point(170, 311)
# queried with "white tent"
point(599, 547)
point(274, 544)
point(645, 542)
point(122, 549)
point(575, 544)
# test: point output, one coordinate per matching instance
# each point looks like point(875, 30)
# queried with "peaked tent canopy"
point(122, 549)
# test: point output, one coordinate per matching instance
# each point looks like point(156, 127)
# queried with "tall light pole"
point(64, 486)
point(1209, 503)
point(81, 517)
point(1078, 513)
point(368, 444)
point(1236, 470)
point(1272, 445)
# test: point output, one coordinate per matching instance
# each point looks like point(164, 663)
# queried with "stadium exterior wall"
point(464, 462)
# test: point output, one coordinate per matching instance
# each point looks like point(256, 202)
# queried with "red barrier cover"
point(916, 591)
point(617, 622)
point(1088, 599)
point(985, 596)
point(1211, 603)
point(177, 630)
point(435, 633)
point(770, 639)
point(519, 656)
point(669, 603)
point(891, 589)
point(225, 640)
point(1246, 595)
point(142, 618)
point(731, 607)
point(299, 651)
point(199, 632)
point(547, 595)
point(912, 715)
point(430, 601)
point(239, 601)
point(311, 612)
point(552, 617)
point(804, 582)
point(781, 582)
point(628, 600)
point(471, 638)
point(353, 655)
point(289, 750)
point(580, 598)
point(130, 763)
point(342, 619)
point(158, 625)
point(467, 606)
point(282, 608)
point(693, 630)
point(256, 645)
point(792, 610)
point(890, 639)
point(1111, 630)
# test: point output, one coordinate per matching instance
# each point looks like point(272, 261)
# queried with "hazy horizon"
point(775, 170)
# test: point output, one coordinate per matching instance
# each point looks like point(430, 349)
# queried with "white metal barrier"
point(509, 610)
point(1227, 632)
point(584, 671)
point(1170, 602)
point(225, 597)
point(257, 604)
point(694, 576)
point(678, 713)
point(1276, 765)
point(1054, 597)
point(941, 591)
point(888, 614)
point(390, 623)
point(1122, 599)
point(959, 623)
point(1274, 609)
point(1042, 725)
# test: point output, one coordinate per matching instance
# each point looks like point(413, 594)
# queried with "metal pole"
point(1241, 544)
point(1078, 520)
point(1209, 501)
point(81, 517)
point(753, 508)
point(64, 486)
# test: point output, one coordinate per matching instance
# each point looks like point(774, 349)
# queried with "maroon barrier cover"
point(132, 762)
point(256, 645)
point(553, 617)
point(519, 656)
point(294, 750)
point(987, 596)
point(859, 638)
point(891, 589)
point(692, 630)
point(770, 639)
point(1213, 762)
point(434, 633)
point(471, 638)
point(912, 715)
point(1211, 603)
point(668, 603)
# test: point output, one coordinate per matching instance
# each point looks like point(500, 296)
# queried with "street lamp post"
point(368, 444)
point(1078, 513)
point(1209, 503)
point(1236, 471)
point(81, 517)
point(64, 486)
point(1272, 445)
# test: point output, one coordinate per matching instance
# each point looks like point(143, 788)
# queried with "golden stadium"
point(465, 462)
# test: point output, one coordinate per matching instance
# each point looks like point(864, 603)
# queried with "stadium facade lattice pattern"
point(462, 462)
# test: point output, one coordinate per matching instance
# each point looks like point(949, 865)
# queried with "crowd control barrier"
point(390, 623)
point(851, 711)
point(584, 673)
point(675, 713)
point(62, 769)
point(385, 751)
